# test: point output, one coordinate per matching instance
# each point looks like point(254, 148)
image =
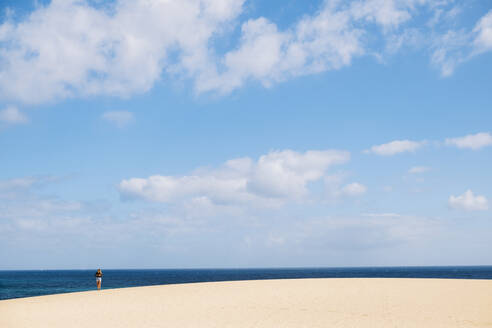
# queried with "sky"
point(245, 133)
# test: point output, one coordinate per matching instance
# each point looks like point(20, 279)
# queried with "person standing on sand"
point(99, 278)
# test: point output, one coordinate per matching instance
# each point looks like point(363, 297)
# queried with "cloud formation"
point(72, 49)
point(469, 202)
point(323, 42)
point(33, 228)
point(395, 147)
point(457, 46)
point(12, 115)
point(483, 30)
point(272, 179)
point(354, 189)
point(471, 141)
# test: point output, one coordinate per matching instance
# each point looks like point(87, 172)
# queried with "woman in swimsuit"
point(99, 278)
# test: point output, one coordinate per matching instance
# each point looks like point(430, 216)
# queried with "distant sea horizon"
point(28, 283)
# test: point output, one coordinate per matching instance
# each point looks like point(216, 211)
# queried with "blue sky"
point(231, 133)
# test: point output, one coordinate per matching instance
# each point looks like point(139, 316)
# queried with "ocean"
point(15, 284)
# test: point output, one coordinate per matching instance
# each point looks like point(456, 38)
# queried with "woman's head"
point(98, 270)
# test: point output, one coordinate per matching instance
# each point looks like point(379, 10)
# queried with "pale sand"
point(309, 303)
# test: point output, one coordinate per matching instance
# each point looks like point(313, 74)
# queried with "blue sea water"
point(15, 284)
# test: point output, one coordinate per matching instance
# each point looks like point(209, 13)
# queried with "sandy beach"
point(267, 303)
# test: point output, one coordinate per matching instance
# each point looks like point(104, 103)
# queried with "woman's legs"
point(98, 284)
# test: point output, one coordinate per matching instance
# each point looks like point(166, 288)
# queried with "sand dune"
point(268, 303)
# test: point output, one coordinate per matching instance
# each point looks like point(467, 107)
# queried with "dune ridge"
point(349, 302)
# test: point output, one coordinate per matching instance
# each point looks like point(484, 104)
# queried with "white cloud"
point(274, 178)
point(328, 40)
point(471, 141)
point(69, 49)
point(72, 49)
point(11, 115)
point(119, 118)
point(441, 15)
point(354, 189)
point(457, 46)
point(387, 13)
point(323, 42)
point(483, 31)
point(286, 173)
point(418, 169)
point(336, 187)
point(468, 201)
point(395, 147)
point(34, 230)
point(451, 49)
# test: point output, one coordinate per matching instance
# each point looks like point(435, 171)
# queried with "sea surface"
point(15, 284)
